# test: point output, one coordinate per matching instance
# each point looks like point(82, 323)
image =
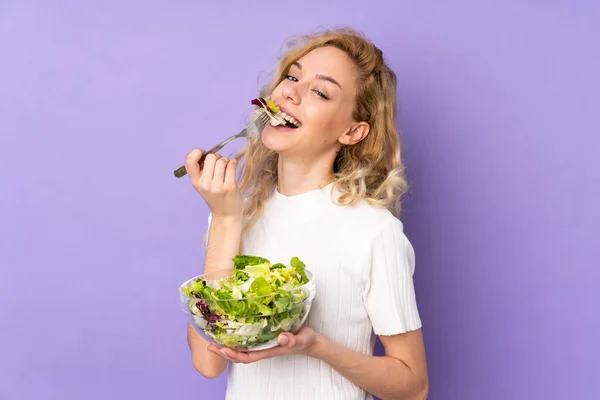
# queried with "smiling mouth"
point(290, 122)
point(278, 117)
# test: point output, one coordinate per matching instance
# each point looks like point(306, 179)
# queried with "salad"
point(277, 116)
point(253, 304)
point(266, 103)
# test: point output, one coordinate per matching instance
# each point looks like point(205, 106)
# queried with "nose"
point(290, 93)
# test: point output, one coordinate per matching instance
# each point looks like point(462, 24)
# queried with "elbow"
point(210, 374)
point(419, 392)
point(423, 392)
point(422, 385)
point(208, 371)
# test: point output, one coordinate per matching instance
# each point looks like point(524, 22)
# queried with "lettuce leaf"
point(299, 267)
point(242, 261)
point(252, 305)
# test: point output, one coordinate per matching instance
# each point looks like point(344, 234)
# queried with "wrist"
point(318, 347)
point(227, 220)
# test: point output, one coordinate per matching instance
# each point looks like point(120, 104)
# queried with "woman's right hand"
point(216, 182)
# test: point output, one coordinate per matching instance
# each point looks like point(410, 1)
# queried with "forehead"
point(332, 62)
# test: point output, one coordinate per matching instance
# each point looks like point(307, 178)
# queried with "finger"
point(287, 340)
point(230, 355)
point(214, 349)
point(191, 164)
point(240, 357)
point(217, 352)
point(209, 168)
point(211, 347)
point(255, 355)
point(219, 173)
point(230, 180)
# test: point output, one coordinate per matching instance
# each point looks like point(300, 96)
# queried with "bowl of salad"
point(246, 308)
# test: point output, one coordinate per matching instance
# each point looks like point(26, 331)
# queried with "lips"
point(289, 117)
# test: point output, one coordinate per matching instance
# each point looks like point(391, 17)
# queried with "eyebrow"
point(319, 76)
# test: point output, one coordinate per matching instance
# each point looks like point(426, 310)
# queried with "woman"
point(327, 192)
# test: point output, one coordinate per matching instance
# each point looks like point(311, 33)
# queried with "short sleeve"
point(390, 296)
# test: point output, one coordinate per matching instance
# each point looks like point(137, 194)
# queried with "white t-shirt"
point(363, 266)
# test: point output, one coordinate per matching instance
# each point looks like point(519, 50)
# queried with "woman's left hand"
point(302, 342)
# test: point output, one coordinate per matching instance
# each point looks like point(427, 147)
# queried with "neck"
point(297, 176)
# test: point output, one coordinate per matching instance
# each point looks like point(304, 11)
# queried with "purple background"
point(99, 103)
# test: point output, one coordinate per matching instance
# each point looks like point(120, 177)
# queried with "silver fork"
point(253, 129)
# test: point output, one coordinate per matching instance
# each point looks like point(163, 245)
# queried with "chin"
point(279, 139)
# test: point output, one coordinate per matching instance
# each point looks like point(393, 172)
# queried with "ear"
point(357, 132)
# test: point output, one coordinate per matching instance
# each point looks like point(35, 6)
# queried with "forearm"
point(208, 364)
point(223, 244)
point(385, 377)
point(224, 237)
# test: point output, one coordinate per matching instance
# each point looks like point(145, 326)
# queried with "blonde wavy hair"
point(370, 170)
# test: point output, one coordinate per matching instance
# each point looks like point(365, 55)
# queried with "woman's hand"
point(216, 182)
point(302, 342)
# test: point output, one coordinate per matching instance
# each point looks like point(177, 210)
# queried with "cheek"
point(331, 127)
point(326, 118)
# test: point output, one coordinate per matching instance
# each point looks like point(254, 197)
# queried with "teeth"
point(277, 119)
point(293, 120)
point(290, 119)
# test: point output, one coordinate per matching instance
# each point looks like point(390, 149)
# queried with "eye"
point(321, 94)
point(291, 78)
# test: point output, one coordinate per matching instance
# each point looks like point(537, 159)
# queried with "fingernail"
point(283, 340)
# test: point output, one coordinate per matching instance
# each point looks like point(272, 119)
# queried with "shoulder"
point(369, 219)
point(373, 225)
